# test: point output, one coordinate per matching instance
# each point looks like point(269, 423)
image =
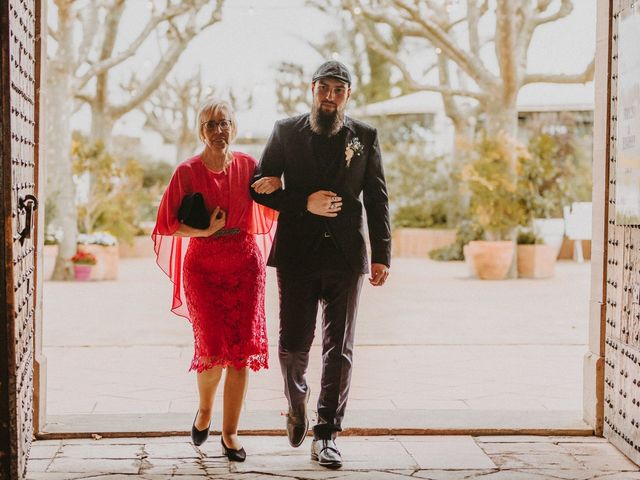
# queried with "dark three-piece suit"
point(321, 259)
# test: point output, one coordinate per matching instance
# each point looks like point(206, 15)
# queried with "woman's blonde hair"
point(209, 108)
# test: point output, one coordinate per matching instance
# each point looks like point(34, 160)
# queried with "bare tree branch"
point(89, 22)
point(151, 25)
point(426, 28)
point(584, 77)
point(473, 17)
point(53, 33)
point(169, 59)
point(565, 8)
point(392, 57)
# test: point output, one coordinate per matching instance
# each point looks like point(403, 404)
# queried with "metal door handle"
point(27, 204)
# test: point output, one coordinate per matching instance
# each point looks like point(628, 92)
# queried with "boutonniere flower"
point(354, 149)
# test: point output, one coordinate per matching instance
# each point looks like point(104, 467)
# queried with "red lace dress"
point(218, 281)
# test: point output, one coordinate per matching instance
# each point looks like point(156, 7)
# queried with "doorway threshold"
point(359, 422)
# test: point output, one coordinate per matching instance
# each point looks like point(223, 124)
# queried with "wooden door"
point(622, 342)
point(19, 87)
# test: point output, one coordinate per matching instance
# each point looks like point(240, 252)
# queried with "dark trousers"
point(338, 292)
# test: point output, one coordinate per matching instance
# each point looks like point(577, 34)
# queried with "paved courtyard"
point(365, 458)
point(435, 348)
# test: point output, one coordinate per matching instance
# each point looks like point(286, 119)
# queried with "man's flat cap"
point(332, 69)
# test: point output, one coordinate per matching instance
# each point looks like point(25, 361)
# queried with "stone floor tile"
point(122, 440)
point(448, 453)
point(515, 475)
point(38, 465)
point(93, 465)
point(616, 476)
point(323, 474)
point(171, 450)
point(256, 476)
point(55, 476)
point(368, 454)
point(588, 439)
point(519, 438)
point(602, 448)
point(190, 476)
point(375, 475)
point(512, 461)
point(450, 474)
point(561, 474)
point(112, 476)
point(604, 463)
point(173, 466)
point(39, 451)
point(357, 455)
point(276, 463)
point(533, 448)
point(254, 445)
point(99, 450)
point(48, 442)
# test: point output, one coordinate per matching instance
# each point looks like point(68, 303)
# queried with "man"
point(327, 160)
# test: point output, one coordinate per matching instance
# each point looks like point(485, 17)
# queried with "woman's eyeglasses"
point(211, 125)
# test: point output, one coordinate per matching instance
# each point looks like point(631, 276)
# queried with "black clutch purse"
point(193, 213)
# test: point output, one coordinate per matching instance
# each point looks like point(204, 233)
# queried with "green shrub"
point(420, 190)
point(557, 170)
point(114, 193)
point(468, 231)
point(492, 179)
point(527, 237)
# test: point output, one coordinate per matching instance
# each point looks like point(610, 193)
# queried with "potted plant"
point(495, 205)
point(104, 247)
point(535, 259)
point(83, 262)
point(555, 173)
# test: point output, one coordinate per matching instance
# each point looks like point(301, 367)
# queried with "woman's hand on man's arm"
point(267, 185)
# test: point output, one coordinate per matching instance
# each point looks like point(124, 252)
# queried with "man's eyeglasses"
point(211, 125)
point(325, 89)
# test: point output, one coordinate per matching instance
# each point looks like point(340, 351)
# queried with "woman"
point(218, 272)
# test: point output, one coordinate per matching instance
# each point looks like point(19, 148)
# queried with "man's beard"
point(326, 123)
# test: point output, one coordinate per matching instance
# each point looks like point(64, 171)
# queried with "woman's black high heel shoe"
point(231, 454)
point(198, 437)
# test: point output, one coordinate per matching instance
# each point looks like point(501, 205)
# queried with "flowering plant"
point(97, 238)
point(83, 258)
point(354, 148)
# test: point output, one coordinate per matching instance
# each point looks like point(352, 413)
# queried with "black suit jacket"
point(299, 234)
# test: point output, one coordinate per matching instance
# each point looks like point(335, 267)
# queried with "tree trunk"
point(502, 121)
point(463, 138)
point(501, 117)
point(59, 109)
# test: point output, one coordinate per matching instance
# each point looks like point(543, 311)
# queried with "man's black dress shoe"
point(231, 454)
point(298, 424)
point(198, 437)
point(325, 452)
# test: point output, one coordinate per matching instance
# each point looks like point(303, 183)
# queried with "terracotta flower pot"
point(536, 261)
point(82, 272)
point(491, 260)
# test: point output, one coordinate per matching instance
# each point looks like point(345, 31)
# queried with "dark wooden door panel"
point(18, 145)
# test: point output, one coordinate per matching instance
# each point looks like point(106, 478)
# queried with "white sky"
point(255, 35)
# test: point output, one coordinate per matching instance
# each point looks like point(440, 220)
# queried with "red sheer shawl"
point(189, 177)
